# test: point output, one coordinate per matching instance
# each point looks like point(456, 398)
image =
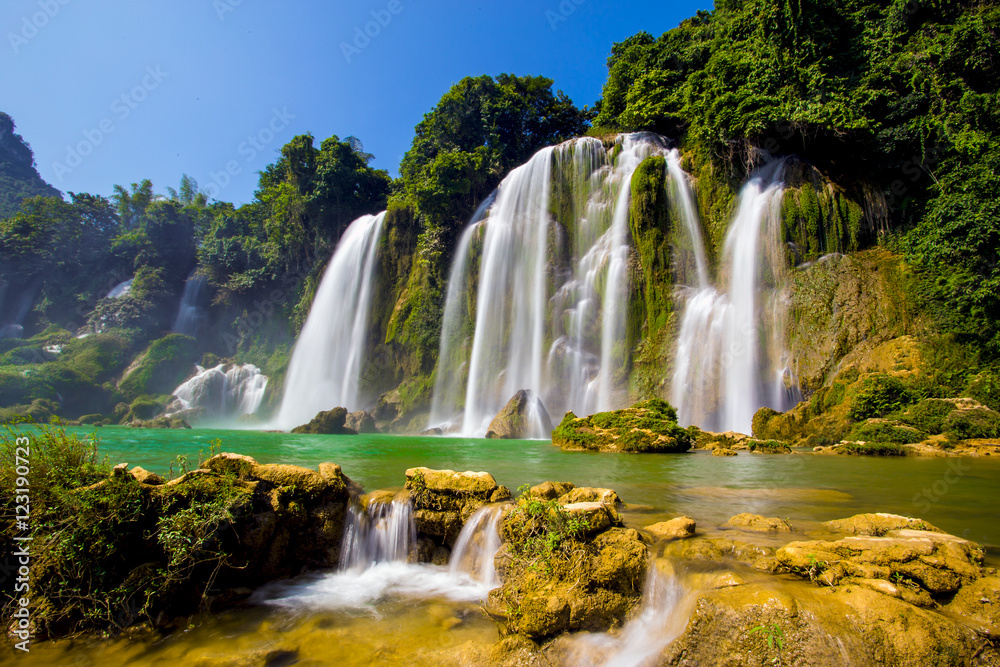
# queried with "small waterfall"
point(477, 544)
point(220, 392)
point(120, 290)
point(662, 619)
point(190, 314)
point(326, 365)
point(552, 287)
point(729, 357)
point(681, 190)
point(382, 533)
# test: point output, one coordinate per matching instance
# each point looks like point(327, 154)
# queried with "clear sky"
point(113, 91)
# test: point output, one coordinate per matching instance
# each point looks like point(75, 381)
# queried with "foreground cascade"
point(538, 287)
point(325, 369)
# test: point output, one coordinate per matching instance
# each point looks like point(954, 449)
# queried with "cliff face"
point(18, 177)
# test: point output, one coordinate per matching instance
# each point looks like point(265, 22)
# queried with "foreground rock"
point(330, 422)
point(524, 416)
point(565, 568)
point(758, 523)
point(202, 540)
point(443, 500)
point(649, 426)
point(678, 528)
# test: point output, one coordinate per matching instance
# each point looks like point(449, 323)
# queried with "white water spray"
point(326, 366)
point(220, 393)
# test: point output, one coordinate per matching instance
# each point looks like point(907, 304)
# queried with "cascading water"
point(190, 314)
point(661, 619)
point(552, 284)
point(220, 393)
point(724, 368)
point(477, 544)
point(326, 366)
point(382, 533)
point(120, 290)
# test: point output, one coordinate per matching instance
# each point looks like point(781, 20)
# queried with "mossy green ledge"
point(647, 427)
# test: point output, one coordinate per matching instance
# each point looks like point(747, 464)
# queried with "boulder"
point(591, 494)
point(649, 426)
point(877, 524)
point(143, 476)
point(329, 422)
point(758, 523)
point(723, 451)
point(593, 517)
point(443, 500)
point(550, 490)
point(389, 406)
point(936, 562)
point(361, 422)
point(680, 527)
point(524, 416)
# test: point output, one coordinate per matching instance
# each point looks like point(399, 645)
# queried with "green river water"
point(958, 495)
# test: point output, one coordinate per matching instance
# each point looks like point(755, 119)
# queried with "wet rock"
point(723, 452)
point(979, 602)
point(758, 523)
point(877, 524)
point(443, 500)
point(432, 431)
point(514, 421)
point(360, 422)
point(329, 422)
point(550, 490)
point(678, 528)
point(591, 494)
point(937, 562)
point(565, 568)
point(389, 406)
point(758, 624)
point(648, 426)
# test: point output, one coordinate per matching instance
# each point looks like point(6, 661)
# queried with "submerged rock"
point(758, 523)
point(520, 418)
point(877, 524)
point(329, 422)
point(680, 527)
point(649, 426)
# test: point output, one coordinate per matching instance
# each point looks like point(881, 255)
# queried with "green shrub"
point(886, 433)
point(985, 388)
point(768, 447)
point(873, 449)
point(975, 423)
point(880, 395)
point(162, 367)
point(928, 415)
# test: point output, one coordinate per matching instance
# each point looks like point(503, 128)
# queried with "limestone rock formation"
point(443, 500)
point(758, 523)
point(361, 422)
point(514, 421)
point(649, 426)
point(329, 422)
point(680, 527)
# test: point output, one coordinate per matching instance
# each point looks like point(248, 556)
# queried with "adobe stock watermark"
point(381, 19)
point(122, 107)
point(249, 149)
point(223, 7)
point(33, 24)
point(928, 496)
point(562, 13)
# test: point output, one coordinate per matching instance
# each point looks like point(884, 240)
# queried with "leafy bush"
point(880, 395)
point(985, 388)
point(883, 432)
point(873, 449)
point(769, 447)
point(928, 415)
point(975, 423)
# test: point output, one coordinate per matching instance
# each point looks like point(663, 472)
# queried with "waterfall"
point(724, 368)
point(550, 290)
point(120, 290)
point(220, 393)
point(477, 544)
point(190, 314)
point(326, 366)
point(382, 533)
point(661, 619)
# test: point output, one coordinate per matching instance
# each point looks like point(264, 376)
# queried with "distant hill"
point(18, 177)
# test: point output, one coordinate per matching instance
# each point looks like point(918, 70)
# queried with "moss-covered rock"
point(514, 421)
point(443, 500)
point(164, 365)
point(876, 525)
point(758, 523)
point(361, 422)
point(565, 568)
point(327, 422)
point(648, 426)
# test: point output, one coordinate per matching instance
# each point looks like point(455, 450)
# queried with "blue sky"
point(112, 91)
